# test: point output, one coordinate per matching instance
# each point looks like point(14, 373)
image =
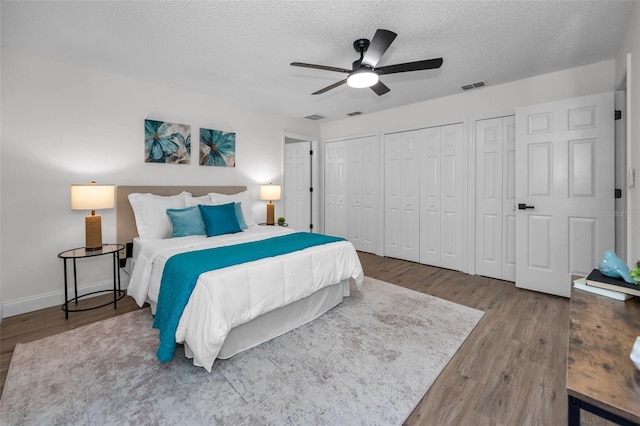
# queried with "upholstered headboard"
point(127, 231)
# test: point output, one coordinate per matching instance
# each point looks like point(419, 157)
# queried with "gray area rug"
point(368, 361)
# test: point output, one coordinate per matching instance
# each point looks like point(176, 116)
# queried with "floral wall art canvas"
point(217, 148)
point(168, 143)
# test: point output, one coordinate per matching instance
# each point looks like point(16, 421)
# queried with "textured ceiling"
point(239, 51)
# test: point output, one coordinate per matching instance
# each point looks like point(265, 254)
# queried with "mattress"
point(149, 257)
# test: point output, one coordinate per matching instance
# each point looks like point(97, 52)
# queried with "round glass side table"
point(81, 253)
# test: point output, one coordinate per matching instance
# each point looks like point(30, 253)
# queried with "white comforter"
point(226, 298)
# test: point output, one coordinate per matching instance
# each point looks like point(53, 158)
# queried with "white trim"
point(346, 138)
point(629, 137)
point(620, 173)
point(422, 126)
point(47, 300)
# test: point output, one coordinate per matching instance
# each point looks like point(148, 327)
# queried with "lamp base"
point(93, 232)
point(270, 214)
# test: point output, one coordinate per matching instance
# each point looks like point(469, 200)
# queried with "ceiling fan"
point(364, 72)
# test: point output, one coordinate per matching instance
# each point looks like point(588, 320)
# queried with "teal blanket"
point(181, 273)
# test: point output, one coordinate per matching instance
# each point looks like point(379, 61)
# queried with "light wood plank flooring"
point(510, 371)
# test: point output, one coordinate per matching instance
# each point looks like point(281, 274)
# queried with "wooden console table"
point(600, 375)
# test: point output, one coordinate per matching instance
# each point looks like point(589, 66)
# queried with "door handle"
point(522, 206)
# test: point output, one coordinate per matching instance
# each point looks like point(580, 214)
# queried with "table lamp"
point(270, 193)
point(92, 197)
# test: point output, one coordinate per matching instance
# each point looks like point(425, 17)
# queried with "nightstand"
point(81, 253)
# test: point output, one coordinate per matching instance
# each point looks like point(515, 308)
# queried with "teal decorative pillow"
point(240, 216)
point(219, 220)
point(186, 222)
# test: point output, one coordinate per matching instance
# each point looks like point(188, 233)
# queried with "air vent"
point(315, 116)
point(474, 85)
point(354, 113)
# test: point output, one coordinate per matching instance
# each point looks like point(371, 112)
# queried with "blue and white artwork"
point(168, 143)
point(217, 148)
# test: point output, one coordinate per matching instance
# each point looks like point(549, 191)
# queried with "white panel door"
point(451, 195)
point(489, 177)
point(355, 191)
point(362, 190)
point(441, 196)
point(495, 197)
point(564, 184)
point(509, 198)
point(402, 205)
point(297, 184)
point(430, 207)
point(335, 179)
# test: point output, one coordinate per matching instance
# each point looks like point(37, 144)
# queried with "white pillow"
point(191, 201)
point(150, 212)
point(240, 197)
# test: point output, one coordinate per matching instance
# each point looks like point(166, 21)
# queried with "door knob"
point(522, 206)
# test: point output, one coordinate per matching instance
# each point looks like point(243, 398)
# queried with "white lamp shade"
point(92, 197)
point(270, 192)
point(363, 78)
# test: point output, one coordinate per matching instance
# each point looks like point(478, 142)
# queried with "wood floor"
point(509, 371)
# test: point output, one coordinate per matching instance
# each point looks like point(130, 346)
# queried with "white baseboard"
point(47, 300)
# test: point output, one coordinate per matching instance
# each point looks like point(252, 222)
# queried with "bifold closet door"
point(495, 198)
point(335, 188)
point(402, 197)
point(441, 196)
point(362, 191)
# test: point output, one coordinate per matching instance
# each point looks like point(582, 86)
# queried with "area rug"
point(368, 361)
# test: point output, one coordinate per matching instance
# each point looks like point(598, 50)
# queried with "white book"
point(582, 285)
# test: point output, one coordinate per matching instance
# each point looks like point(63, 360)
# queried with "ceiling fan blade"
point(379, 44)
point(427, 64)
point(320, 67)
point(380, 88)
point(333, 86)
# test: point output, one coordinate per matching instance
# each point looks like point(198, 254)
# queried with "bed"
point(237, 307)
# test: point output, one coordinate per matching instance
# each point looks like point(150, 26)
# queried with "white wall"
point(631, 44)
point(501, 99)
point(64, 124)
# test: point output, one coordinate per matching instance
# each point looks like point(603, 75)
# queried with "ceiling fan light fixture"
point(362, 78)
point(364, 72)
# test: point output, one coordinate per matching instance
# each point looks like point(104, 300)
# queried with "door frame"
point(623, 84)
point(315, 218)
